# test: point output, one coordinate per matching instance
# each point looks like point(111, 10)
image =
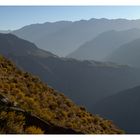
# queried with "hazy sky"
point(16, 17)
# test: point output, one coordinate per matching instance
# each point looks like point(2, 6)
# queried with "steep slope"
point(128, 53)
point(85, 82)
point(62, 38)
point(123, 109)
point(104, 44)
point(21, 92)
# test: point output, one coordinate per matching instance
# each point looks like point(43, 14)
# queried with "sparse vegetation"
point(33, 130)
point(11, 123)
point(30, 94)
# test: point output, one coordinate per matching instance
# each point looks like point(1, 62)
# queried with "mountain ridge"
point(65, 40)
point(100, 47)
point(127, 54)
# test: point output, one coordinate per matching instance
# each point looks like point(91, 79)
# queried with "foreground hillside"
point(21, 93)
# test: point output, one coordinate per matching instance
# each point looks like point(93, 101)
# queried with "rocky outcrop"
point(33, 120)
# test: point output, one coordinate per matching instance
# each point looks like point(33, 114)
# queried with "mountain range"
point(79, 80)
point(102, 46)
point(93, 62)
point(63, 37)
